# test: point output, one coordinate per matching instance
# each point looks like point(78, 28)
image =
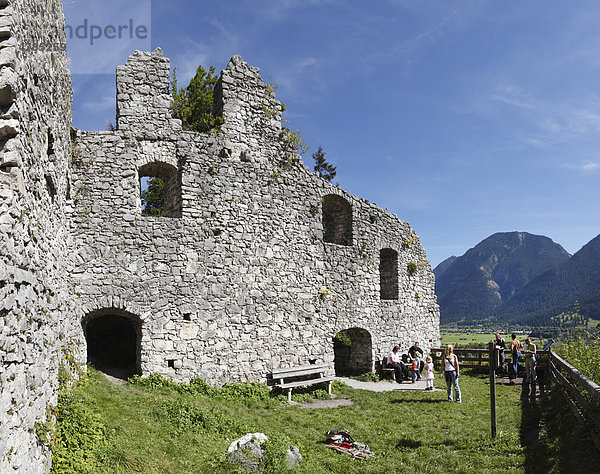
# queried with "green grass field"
point(462, 338)
point(111, 428)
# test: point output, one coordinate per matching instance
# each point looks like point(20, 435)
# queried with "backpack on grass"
point(341, 435)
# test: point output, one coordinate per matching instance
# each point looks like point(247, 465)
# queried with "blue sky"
point(464, 118)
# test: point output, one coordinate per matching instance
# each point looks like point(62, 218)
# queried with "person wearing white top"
point(428, 373)
point(394, 359)
point(451, 371)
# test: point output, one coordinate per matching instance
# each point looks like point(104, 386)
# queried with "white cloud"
point(534, 120)
point(279, 10)
point(296, 73)
point(187, 54)
point(587, 167)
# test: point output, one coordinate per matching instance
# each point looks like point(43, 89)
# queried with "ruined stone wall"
point(259, 264)
point(243, 281)
point(38, 312)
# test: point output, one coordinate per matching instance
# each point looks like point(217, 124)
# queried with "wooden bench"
point(389, 370)
point(386, 369)
point(309, 375)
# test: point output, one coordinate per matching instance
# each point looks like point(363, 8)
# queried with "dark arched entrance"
point(113, 343)
point(353, 352)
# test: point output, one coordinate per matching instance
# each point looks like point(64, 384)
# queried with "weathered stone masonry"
point(266, 263)
point(38, 309)
point(258, 263)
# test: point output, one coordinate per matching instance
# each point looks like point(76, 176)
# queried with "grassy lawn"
point(131, 429)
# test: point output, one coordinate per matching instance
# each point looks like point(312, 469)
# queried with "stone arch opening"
point(353, 352)
point(165, 181)
point(337, 220)
point(114, 342)
point(388, 274)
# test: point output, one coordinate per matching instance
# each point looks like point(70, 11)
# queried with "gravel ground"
point(381, 386)
point(384, 385)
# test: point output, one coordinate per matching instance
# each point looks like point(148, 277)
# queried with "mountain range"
point(519, 277)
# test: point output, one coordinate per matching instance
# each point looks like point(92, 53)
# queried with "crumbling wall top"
point(143, 96)
point(247, 104)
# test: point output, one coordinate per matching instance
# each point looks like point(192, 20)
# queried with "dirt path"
point(385, 385)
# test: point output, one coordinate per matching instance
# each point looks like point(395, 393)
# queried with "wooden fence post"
point(492, 350)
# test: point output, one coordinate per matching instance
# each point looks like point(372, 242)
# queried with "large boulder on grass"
point(247, 452)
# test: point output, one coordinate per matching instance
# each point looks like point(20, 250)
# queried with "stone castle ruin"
point(257, 263)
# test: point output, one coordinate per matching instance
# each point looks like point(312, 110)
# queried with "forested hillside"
point(475, 285)
point(558, 290)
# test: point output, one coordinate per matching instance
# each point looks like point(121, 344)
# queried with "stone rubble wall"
point(242, 282)
point(143, 97)
point(38, 311)
point(238, 282)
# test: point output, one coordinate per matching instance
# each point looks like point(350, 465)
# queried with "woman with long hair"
point(451, 371)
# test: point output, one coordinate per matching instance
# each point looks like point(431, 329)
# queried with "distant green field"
point(463, 338)
point(459, 338)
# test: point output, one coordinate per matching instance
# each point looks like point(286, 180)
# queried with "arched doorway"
point(113, 342)
point(353, 352)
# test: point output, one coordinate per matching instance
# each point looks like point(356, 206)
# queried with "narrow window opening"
point(388, 274)
point(50, 150)
point(160, 190)
point(50, 187)
point(171, 363)
point(337, 220)
point(153, 196)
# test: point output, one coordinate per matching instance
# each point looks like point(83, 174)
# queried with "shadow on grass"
point(418, 400)
point(407, 443)
point(447, 442)
point(553, 438)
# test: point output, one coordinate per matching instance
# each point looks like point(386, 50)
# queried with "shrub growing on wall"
point(193, 104)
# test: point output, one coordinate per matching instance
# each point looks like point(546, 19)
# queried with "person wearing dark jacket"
point(415, 352)
point(500, 346)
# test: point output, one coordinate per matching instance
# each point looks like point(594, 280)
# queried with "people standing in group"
point(450, 370)
point(428, 373)
point(500, 346)
point(416, 355)
point(515, 351)
point(394, 360)
point(529, 352)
